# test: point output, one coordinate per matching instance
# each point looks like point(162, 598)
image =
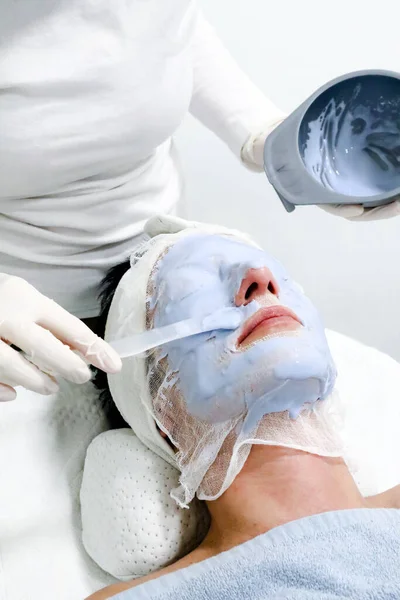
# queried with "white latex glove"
point(253, 157)
point(356, 212)
point(47, 335)
point(252, 153)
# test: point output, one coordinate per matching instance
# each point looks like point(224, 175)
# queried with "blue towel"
point(351, 554)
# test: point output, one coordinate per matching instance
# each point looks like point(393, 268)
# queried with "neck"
point(275, 486)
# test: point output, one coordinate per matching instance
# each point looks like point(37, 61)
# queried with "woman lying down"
point(247, 417)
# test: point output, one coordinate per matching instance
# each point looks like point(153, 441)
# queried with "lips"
point(269, 315)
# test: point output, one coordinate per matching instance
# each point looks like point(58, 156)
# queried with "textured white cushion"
point(132, 527)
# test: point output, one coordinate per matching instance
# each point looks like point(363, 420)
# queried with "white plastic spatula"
point(228, 318)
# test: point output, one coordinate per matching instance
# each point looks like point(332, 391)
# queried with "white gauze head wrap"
point(208, 456)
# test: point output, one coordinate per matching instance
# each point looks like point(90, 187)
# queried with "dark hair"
point(106, 294)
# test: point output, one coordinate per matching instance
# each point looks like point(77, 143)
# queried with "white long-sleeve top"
point(91, 93)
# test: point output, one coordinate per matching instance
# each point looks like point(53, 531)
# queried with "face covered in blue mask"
point(276, 360)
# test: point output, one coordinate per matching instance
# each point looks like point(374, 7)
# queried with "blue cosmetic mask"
point(200, 275)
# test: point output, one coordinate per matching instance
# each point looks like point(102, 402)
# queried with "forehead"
point(211, 250)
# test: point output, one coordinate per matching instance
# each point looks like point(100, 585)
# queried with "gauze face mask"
point(217, 393)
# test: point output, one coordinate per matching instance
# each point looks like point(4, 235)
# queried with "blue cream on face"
point(200, 275)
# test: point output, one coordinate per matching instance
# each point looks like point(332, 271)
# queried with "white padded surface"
point(131, 525)
point(43, 443)
point(369, 385)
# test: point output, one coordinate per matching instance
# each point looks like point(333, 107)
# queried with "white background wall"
point(290, 48)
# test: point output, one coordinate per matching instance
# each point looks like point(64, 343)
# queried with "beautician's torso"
point(90, 94)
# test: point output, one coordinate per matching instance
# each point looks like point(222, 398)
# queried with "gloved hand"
point(253, 157)
point(357, 212)
point(47, 335)
point(252, 153)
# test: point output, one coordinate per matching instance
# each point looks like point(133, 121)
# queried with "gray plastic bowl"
point(284, 153)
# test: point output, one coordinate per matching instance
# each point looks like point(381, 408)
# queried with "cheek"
point(203, 367)
point(183, 299)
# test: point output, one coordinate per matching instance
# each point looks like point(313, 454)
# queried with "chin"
point(296, 360)
point(280, 371)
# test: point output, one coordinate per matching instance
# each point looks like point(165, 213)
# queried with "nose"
point(256, 283)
